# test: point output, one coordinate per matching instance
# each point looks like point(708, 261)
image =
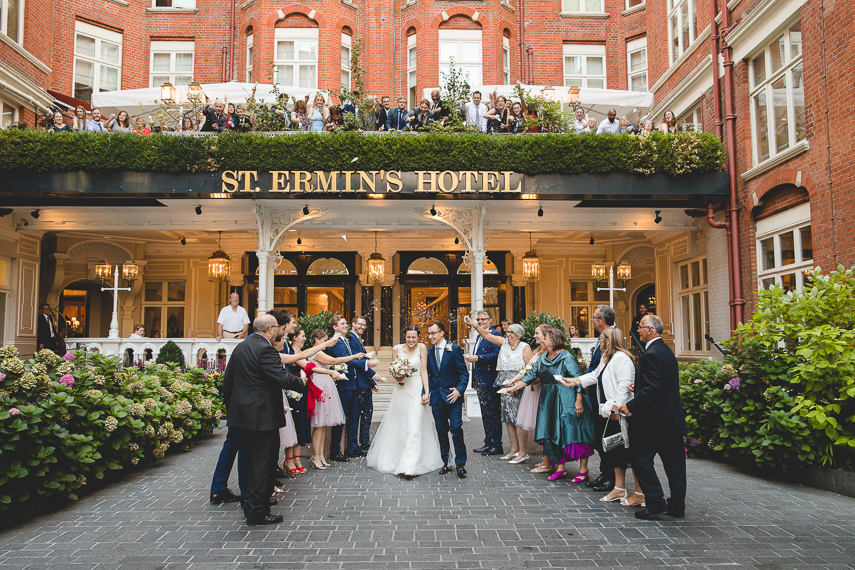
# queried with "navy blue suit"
point(396, 119)
point(483, 380)
point(364, 397)
point(357, 378)
point(449, 374)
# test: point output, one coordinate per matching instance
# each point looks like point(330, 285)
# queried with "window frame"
point(296, 35)
point(691, 117)
point(635, 46)
point(774, 227)
point(249, 53)
point(584, 51)
point(673, 11)
point(173, 48)
point(590, 305)
point(15, 114)
point(506, 60)
point(4, 23)
point(582, 7)
point(346, 44)
point(412, 72)
point(99, 35)
point(165, 305)
point(638, 3)
point(756, 90)
point(691, 292)
point(172, 5)
point(459, 37)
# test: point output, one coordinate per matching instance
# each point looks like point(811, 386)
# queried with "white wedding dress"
point(406, 441)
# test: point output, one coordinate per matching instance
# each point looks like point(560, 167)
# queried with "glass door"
point(427, 304)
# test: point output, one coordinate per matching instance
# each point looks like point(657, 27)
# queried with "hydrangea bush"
point(64, 420)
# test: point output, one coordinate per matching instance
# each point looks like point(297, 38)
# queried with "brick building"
point(792, 64)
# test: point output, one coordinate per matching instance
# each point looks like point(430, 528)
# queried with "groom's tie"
point(438, 357)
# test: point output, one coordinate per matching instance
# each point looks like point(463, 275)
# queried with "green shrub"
point(170, 353)
point(534, 320)
point(309, 323)
point(66, 420)
point(683, 153)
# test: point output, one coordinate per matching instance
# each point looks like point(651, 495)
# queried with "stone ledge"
point(172, 10)
point(634, 9)
point(831, 480)
point(780, 158)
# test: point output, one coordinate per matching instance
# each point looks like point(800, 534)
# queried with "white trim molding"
point(700, 40)
point(23, 91)
point(592, 15)
point(172, 10)
point(780, 158)
point(758, 27)
point(688, 91)
point(25, 54)
point(634, 9)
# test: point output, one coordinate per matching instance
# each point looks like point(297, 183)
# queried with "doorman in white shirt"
point(233, 321)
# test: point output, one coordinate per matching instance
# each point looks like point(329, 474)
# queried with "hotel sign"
point(372, 182)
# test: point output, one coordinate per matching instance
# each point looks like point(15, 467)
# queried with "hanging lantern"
point(376, 265)
point(103, 272)
point(531, 263)
point(598, 271)
point(549, 93)
point(624, 271)
point(219, 264)
point(167, 92)
point(130, 270)
point(194, 90)
point(573, 95)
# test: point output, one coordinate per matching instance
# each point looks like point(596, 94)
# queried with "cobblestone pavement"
point(499, 517)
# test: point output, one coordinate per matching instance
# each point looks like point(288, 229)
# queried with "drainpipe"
point(225, 64)
point(716, 79)
point(530, 52)
point(730, 116)
point(522, 41)
point(232, 41)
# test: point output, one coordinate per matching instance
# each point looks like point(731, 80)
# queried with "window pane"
point(767, 254)
point(175, 291)
point(796, 40)
point(706, 299)
point(761, 126)
point(578, 291)
point(572, 65)
point(308, 51)
point(447, 50)
point(345, 56)
point(285, 74)
point(345, 79)
point(788, 249)
point(175, 322)
point(182, 80)
point(109, 52)
point(12, 10)
point(686, 22)
point(595, 66)
point(84, 77)
point(284, 51)
point(807, 243)
point(685, 309)
point(84, 46)
point(695, 268)
point(634, 3)
point(412, 57)
point(580, 316)
point(470, 52)
point(704, 276)
point(638, 82)
point(411, 79)
point(698, 322)
point(249, 56)
point(767, 283)
point(675, 37)
point(7, 119)
point(684, 277)
point(777, 56)
point(638, 60)
point(160, 63)
point(308, 76)
point(758, 64)
point(184, 62)
point(506, 57)
point(601, 296)
point(109, 79)
point(151, 319)
point(158, 80)
point(594, 5)
point(325, 299)
point(572, 5)
point(788, 282)
point(779, 97)
point(153, 291)
point(595, 84)
point(799, 102)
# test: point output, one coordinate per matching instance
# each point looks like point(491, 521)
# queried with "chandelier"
point(531, 263)
point(219, 264)
point(376, 265)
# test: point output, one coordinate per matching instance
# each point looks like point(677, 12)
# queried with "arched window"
point(327, 266)
point(285, 267)
point(489, 268)
point(427, 266)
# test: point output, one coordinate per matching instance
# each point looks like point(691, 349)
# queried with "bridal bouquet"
point(340, 368)
point(292, 395)
point(525, 370)
point(401, 368)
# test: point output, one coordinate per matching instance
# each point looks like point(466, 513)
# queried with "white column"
point(114, 323)
point(263, 256)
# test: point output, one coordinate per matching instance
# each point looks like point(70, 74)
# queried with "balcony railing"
point(133, 351)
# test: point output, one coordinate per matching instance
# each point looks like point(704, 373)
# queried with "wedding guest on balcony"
point(240, 123)
point(336, 119)
point(515, 121)
point(140, 128)
point(625, 127)
point(369, 116)
point(58, 125)
point(420, 117)
point(187, 124)
point(396, 119)
point(215, 119)
point(319, 112)
point(475, 111)
point(383, 115)
point(579, 123)
point(669, 123)
point(609, 125)
point(233, 322)
point(120, 123)
point(648, 128)
point(231, 112)
point(94, 125)
point(78, 121)
point(438, 108)
point(139, 331)
point(592, 125)
point(499, 117)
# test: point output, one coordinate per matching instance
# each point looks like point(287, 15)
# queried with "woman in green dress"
point(564, 425)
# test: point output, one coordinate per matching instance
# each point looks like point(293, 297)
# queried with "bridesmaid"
point(564, 426)
point(527, 414)
point(287, 434)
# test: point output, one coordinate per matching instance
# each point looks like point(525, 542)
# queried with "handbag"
point(612, 441)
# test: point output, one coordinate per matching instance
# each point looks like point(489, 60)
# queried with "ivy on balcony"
point(678, 154)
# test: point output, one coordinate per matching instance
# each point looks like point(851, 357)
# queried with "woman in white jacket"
point(618, 372)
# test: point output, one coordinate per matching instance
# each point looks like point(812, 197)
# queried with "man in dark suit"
point(364, 395)
point(603, 318)
point(657, 424)
point(46, 333)
point(447, 380)
point(215, 120)
point(396, 120)
point(360, 376)
point(252, 391)
point(483, 359)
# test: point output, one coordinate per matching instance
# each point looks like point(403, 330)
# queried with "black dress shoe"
point(365, 446)
point(269, 519)
point(445, 470)
point(677, 514)
point(280, 473)
point(340, 458)
point(244, 504)
point(605, 487)
point(461, 471)
point(355, 454)
point(494, 451)
point(646, 514)
point(482, 449)
point(594, 482)
point(224, 497)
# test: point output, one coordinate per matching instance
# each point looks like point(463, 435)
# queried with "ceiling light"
point(305, 210)
point(592, 241)
point(299, 241)
point(540, 212)
point(198, 210)
point(35, 214)
point(183, 241)
point(432, 210)
point(658, 218)
point(456, 241)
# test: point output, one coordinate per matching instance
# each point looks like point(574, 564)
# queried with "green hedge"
point(66, 420)
point(528, 154)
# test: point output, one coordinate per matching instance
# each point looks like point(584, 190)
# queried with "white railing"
point(133, 350)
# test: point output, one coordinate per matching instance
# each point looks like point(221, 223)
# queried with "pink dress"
point(527, 414)
point(287, 434)
point(329, 412)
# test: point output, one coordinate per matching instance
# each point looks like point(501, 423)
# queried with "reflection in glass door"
point(426, 305)
point(325, 299)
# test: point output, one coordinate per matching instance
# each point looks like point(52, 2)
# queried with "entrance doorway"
point(84, 310)
point(426, 305)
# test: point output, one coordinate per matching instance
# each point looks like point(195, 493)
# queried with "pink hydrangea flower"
point(205, 374)
point(69, 356)
point(67, 380)
point(699, 381)
point(2, 376)
point(14, 411)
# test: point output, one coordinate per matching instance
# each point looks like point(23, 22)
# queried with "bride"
point(406, 442)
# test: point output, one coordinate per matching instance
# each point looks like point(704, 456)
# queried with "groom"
point(447, 380)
